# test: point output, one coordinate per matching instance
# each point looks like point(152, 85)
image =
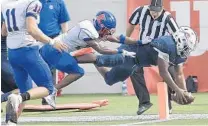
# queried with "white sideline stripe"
point(146, 118)
point(144, 122)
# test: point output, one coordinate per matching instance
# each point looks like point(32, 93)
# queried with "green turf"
point(118, 105)
point(127, 122)
point(183, 122)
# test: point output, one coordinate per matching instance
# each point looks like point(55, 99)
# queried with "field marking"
point(146, 118)
point(172, 117)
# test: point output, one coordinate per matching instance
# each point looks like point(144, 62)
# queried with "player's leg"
point(86, 58)
point(117, 73)
point(63, 62)
point(124, 66)
point(14, 101)
point(102, 60)
point(21, 67)
point(7, 79)
point(42, 76)
point(68, 64)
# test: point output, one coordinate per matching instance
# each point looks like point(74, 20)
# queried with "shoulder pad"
point(87, 27)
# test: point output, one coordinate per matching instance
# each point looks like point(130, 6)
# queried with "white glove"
point(127, 53)
point(146, 40)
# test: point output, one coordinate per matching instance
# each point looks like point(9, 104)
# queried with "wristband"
point(120, 51)
point(122, 39)
point(139, 42)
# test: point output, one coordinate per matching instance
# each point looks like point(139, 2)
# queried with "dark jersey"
point(163, 47)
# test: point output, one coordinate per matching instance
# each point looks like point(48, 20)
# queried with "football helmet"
point(105, 23)
point(186, 41)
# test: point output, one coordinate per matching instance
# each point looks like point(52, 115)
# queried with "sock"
point(25, 96)
point(4, 97)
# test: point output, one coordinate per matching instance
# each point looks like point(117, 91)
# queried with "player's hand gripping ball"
point(189, 97)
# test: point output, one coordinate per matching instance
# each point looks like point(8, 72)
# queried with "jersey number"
point(15, 28)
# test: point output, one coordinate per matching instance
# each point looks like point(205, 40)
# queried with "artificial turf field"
point(120, 111)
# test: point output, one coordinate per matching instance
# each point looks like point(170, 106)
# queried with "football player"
point(167, 52)
point(21, 19)
point(84, 34)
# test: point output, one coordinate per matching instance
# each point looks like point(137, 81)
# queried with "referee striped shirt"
point(153, 28)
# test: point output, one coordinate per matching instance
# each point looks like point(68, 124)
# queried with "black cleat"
point(144, 108)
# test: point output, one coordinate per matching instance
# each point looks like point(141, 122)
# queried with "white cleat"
point(12, 109)
point(51, 99)
point(10, 124)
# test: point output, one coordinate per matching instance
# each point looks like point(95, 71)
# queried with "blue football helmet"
point(105, 23)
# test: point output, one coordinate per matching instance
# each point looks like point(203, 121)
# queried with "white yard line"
point(142, 118)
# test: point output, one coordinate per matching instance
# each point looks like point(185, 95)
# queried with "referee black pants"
point(140, 87)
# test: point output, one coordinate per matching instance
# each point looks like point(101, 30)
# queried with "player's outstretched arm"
point(180, 78)
point(121, 39)
point(102, 50)
point(127, 40)
point(35, 32)
point(32, 29)
point(164, 73)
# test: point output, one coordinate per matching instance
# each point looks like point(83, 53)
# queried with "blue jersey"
point(53, 13)
point(163, 47)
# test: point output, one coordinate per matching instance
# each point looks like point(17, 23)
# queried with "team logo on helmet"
point(101, 18)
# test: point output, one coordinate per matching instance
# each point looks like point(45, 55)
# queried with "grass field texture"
point(118, 106)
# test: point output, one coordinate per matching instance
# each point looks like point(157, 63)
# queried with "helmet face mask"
point(186, 41)
point(105, 31)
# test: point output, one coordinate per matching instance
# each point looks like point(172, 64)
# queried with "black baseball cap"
point(156, 5)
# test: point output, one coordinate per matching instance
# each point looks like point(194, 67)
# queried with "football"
point(190, 98)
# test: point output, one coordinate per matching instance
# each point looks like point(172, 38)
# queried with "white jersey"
point(78, 36)
point(15, 13)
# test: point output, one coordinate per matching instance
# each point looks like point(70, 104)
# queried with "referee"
point(54, 19)
point(154, 21)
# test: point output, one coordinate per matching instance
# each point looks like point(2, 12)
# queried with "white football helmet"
point(186, 41)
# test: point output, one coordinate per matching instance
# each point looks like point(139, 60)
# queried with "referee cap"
point(156, 5)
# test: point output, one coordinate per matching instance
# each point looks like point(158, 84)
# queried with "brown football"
point(190, 98)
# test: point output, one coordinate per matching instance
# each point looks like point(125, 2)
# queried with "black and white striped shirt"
point(153, 28)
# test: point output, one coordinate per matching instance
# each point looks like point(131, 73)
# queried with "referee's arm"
point(171, 25)
point(133, 21)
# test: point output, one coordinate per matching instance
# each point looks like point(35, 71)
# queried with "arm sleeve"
point(171, 25)
point(64, 15)
point(134, 18)
point(34, 9)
